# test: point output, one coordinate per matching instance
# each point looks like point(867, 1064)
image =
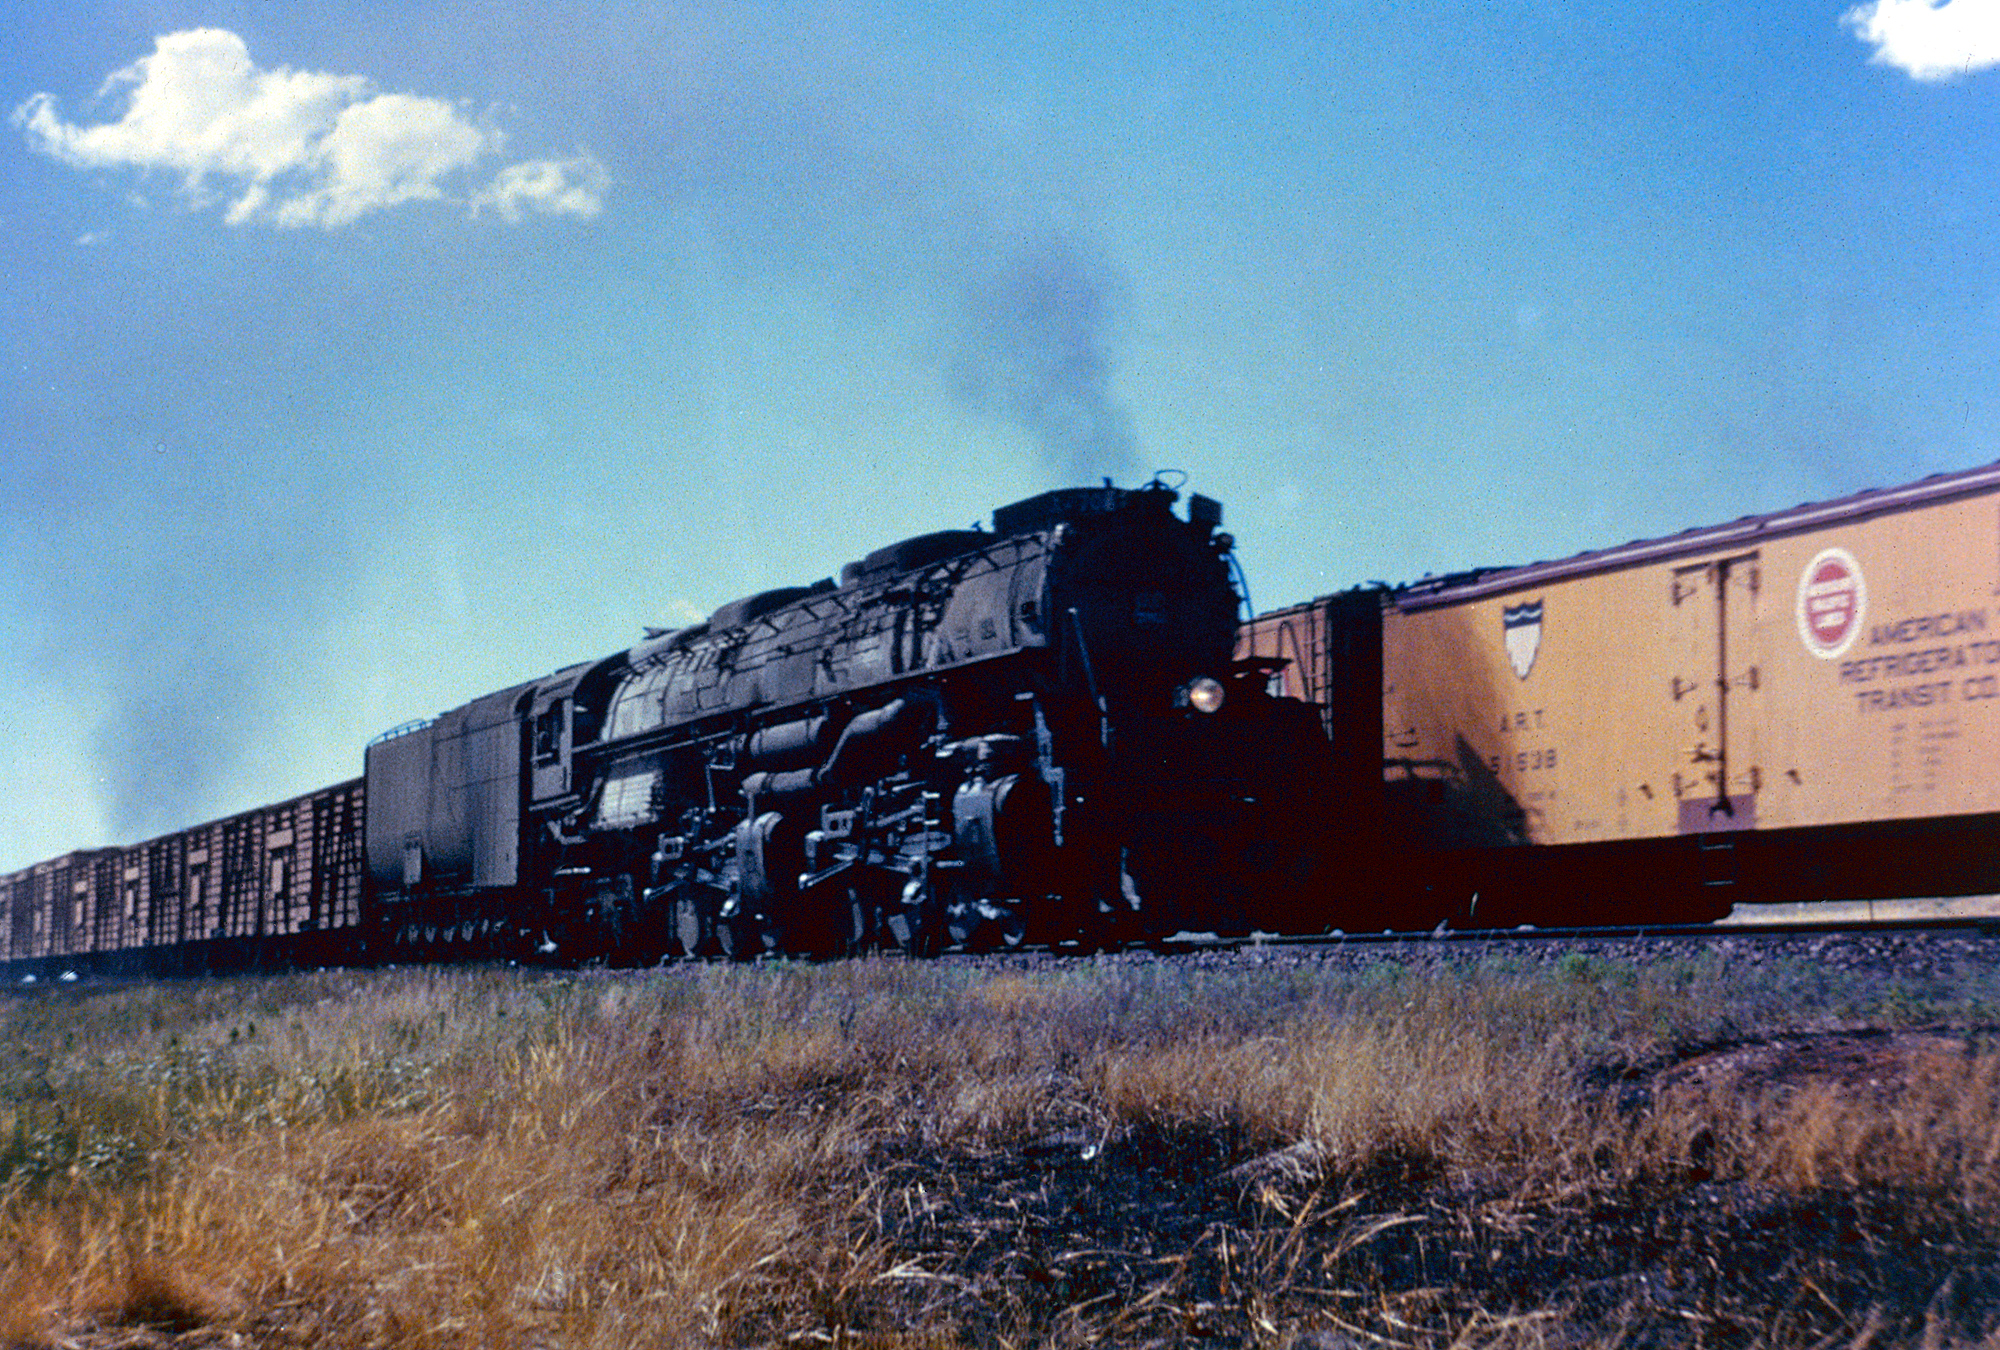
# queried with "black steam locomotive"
point(973, 738)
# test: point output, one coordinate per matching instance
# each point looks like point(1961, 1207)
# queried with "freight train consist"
point(1796, 706)
point(1042, 733)
point(971, 738)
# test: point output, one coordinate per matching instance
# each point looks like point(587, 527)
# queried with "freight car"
point(278, 885)
point(1037, 732)
point(1802, 705)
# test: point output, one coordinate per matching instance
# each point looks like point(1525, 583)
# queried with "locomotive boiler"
point(1037, 732)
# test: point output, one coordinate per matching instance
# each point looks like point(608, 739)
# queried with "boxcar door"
point(1714, 618)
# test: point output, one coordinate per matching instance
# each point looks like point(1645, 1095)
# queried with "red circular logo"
point(1832, 599)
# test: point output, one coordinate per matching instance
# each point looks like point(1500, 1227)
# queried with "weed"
point(884, 1153)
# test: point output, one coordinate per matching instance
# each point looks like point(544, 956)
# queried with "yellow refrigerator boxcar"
point(1801, 705)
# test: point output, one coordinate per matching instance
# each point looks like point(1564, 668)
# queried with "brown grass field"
point(1252, 1152)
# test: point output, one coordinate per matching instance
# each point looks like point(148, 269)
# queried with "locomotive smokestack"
point(1030, 351)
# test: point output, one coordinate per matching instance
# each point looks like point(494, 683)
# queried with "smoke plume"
point(1030, 351)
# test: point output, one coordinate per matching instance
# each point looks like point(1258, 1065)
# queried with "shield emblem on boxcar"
point(1522, 627)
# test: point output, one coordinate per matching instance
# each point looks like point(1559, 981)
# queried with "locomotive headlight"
point(1203, 694)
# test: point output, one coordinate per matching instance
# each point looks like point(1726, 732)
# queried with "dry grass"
point(878, 1153)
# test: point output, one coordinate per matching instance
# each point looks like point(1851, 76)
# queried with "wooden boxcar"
point(278, 885)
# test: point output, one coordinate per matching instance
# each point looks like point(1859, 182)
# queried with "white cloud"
point(296, 148)
point(684, 612)
point(384, 152)
point(1927, 40)
point(566, 187)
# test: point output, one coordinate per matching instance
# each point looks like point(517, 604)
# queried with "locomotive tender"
point(1803, 705)
point(971, 738)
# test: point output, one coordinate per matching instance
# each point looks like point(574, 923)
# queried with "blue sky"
point(360, 359)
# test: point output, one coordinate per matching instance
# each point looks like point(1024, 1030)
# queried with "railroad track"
point(1982, 926)
point(1972, 932)
point(1919, 946)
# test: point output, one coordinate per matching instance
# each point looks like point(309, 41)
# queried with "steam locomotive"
point(1037, 733)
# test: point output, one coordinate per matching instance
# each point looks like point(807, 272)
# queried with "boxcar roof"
point(1938, 488)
